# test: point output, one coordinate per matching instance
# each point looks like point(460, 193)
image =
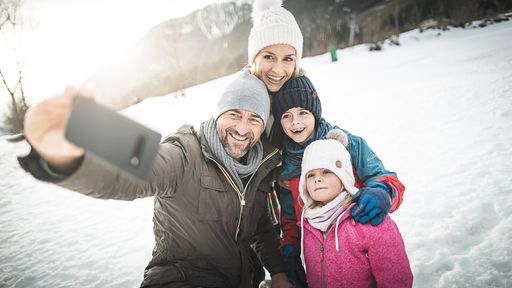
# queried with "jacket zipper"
point(241, 196)
point(322, 270)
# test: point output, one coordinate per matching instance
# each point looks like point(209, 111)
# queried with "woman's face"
point(274, 65)
point(323, 185)
point(298, 124)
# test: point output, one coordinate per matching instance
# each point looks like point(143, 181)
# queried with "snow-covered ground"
point(437, 110)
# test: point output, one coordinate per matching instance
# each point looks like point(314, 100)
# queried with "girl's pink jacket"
point(368, 256)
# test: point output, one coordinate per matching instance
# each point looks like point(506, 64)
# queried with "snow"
point(70, 40)
point(437, 110)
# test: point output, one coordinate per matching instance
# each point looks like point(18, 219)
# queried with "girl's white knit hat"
point(272, 24)
point(327, 154)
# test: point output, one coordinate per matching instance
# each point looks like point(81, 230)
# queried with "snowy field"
point(437, 110)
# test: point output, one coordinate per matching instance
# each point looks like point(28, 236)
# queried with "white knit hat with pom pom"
point(327, 154)
point(272, 24)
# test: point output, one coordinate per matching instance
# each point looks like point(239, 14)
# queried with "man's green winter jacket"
point(202, 231)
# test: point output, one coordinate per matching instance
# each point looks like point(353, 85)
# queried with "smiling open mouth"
point(238, 137)
point(297, 130)
point(274, 78)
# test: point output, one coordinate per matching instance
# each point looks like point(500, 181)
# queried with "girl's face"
point(323, 185)
point(274, 65)
point(298, 124)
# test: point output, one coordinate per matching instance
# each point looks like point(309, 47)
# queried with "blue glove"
point(293, 267)
point(372, 205)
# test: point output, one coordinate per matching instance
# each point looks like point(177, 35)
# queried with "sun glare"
point(66, 41)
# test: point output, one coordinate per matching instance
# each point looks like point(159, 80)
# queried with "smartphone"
point(113, 138)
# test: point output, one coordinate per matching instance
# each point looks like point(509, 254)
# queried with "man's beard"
point(233, 152)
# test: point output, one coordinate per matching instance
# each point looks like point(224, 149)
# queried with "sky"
point(437, 110)
point(65, 41)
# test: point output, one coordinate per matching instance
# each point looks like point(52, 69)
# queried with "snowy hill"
point(437, 110)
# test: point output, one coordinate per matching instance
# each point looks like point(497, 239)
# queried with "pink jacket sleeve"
point(386, 253)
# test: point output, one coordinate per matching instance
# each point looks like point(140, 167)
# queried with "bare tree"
point(15, 110)
point(8, 10)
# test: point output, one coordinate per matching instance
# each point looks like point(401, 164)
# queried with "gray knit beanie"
point(245, 92)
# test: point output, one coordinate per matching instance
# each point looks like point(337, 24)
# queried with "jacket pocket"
point(212, 199)
point(160, 276)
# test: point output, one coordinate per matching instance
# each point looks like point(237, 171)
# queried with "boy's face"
point(323, 185)
point(298, 124)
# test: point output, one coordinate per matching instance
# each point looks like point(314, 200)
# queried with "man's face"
point(239, 130)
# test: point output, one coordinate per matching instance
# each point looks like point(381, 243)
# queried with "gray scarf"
point(236, 170)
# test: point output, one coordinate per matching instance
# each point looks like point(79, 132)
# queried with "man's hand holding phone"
point(45, 126)
point(66, 125)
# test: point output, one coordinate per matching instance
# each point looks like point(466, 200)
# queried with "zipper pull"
point(242, 202)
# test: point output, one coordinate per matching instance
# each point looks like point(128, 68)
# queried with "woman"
point(274, 50)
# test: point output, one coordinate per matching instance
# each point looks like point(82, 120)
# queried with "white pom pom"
point(262, 5)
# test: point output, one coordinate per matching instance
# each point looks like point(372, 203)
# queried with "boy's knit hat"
point(272, 24)
point(297, 92)
point(246, 92)
point(327, 154)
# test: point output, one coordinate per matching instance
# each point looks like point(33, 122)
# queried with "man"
point(209, 188)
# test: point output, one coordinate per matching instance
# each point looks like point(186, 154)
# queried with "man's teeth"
point(239, 138)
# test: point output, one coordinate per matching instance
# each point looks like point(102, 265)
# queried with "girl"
point(337, 251)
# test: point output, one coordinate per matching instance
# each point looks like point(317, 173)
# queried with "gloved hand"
point(372, 205)
point(293, 267)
